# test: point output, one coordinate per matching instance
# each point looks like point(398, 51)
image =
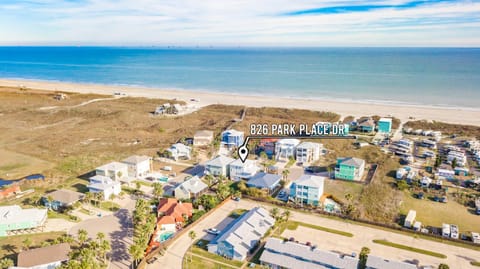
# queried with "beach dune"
point(464, 116)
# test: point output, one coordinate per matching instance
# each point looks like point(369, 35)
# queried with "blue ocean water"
point(427, 76)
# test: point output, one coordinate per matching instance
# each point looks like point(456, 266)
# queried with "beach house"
point(104, 185)
point(174, 209)
point(191, 188)
point(243, 170)
point(138, 166)
point(202, 138)
point(179, 151)
point(232, 138)
point(114, 170)
point(385, 125)
point(219, 166)
point(264, 181)
point(14, 219)
point(307, 189)
point(308, 152)
point(366, 125)
point(349, 168)
point(61, 199)
point(279, 253)
point(48, 257)
point(242, 235)
point(285, 148)
point(267, 145)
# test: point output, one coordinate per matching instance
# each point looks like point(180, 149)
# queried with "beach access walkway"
point(81, 104)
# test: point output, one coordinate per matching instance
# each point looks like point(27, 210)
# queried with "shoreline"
point(403, 111)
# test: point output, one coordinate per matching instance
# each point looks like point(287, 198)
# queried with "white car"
point(213, 231)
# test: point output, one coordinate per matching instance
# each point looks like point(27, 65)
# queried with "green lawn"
point(339, 188)
point(12, 245)
point(202, 252)
point(57, 215)
point(110, 206)
point(412, 249)
point(195, 262)
point(144, 183)
point(237, 213)
point(293, 225)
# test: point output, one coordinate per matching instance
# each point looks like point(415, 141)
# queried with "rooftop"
point(203, 133)
point(263, 180)
point(65, 196)
point(113, 166)
point(375, 262)
point(15, 214)
point(192, 185)
point(219, 161)
point(352, 161)
point(310, 181)
point(385, 120)
point(172, 207)
point(232, 132)
point(136, 159)
point(308, 145)
point(45, 255)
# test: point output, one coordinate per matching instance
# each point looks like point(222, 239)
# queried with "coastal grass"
point(204, 253)
point(109, 206)
point(12, 245)
point(293, 225)
point(475, 263)
point(412, 249)
point(445, 128)
point(57, 215)
point(193, 261)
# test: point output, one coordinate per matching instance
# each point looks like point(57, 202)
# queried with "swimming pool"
point(164, 236)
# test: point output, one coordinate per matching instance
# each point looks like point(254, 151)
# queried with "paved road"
point(118, 228)
point(457, 257)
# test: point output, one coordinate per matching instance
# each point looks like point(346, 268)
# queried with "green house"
point(385, 125)
point(14, 218)
point(349, 168)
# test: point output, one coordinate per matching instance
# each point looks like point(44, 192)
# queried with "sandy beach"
point(466, 116)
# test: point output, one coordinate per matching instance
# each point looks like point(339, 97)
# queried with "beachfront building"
point(179, 151)
point(48, 257)
point(374, 262)
point(243, 170)
point(349, 168)
point(138, 166)
point(104, 185)
point(264, 181)
point(219, 166)
point(242, 235)
point(232, 138)
point(267, 145)
point(366, 125)
point(285, 148)
point(308, 152)
point(385, 125)
point(308, 189)
point(191, 188)
point(114, 170)
point(284, 254)
point(61, 199)
point(14, 219)
point(203, 138)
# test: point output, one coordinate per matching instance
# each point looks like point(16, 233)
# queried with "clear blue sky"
point(241, 22)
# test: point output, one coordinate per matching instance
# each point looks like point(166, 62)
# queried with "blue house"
point(264, 181)
point(61, 199)
point(232, 138)
point(307, 189)
point(385, 125)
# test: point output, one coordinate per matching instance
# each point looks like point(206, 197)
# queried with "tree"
point(210, 179)
point(136, 251)
point(274, 212)
point(157, 189)
point(285, 174)
point(6, 263)
point(286, 214)
point(443, 266)
point(88, 197)
point(438, 161)
point(82, 236)
point(362, 264)
point(222, 191)
point(138, 185)
point(192, 236)
point(104, 247)
point(454, 163)
point(27, 243)
point(402, 184)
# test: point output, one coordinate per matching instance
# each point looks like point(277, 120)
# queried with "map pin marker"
point(243, 153)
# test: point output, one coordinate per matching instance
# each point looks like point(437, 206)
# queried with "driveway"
point(118, 228)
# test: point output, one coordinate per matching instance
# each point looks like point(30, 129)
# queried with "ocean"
point(418, 76)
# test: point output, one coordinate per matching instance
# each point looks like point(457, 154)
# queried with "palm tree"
point(363, 257)
point(100, 236)
point(157, 190)
point(286, 214)
point(82, 236)
point(6, 263)
point(443, 266)
point(88, 197)
point(285, 174)
point(136, 251)
point(27, 243)
point(274, 213)
point(192, 236)
point(104, 247)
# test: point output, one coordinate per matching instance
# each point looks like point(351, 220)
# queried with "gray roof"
point(15, 214)
point(45, 255)
point(293, 255)
point(65, 196)
point(375, 262)
point(136, 159)
point(310, 181)
point(309, 145)
point(351, 161)
point(245, 231)
point(220, 161)
point(203, 133)
point(263, 180)
point(193, 185)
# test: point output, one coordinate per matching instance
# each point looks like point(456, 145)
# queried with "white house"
point(202, 138)
point(410, 219)
point(308, 152)
point(219, 166)
point(138, 166)
point(105, 185)
point(243, 170)
point(190, 188)
point(113, 170)
point(180, 151)
point(285, 148)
